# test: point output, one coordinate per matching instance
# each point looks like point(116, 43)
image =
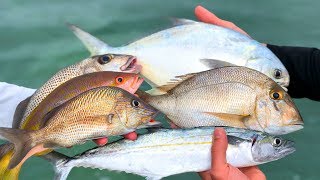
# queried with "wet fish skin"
point(173, 151)
point(179, 50)
point(70, 89)
point(99, 112)
point(228, 96)
point(117, 62)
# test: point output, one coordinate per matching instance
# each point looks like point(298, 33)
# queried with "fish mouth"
point(136, 83)
point(131, 66)
point(151, 123)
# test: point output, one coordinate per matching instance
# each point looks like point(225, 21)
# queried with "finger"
point(219, 149)
point(205, 175)
point(253, 172)
point(101, 141)
point(206, 16)
point(131, 136)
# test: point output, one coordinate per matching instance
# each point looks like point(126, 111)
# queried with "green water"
point(35, 43)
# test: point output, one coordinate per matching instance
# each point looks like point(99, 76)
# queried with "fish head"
point(135, 113)
point(127, 81)
point(266, 148)
point(116, 63)
point(273, 68)
point(276, 112)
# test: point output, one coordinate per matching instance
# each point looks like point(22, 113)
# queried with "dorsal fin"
point(181, 21)
point(175, 82)
point(213, 63)
point(93, 44)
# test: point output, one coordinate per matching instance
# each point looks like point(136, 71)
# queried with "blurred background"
point(35, 43)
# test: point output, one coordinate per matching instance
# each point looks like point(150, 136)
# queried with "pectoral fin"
point(110, 117)
point(213, 63)
point(234, 120)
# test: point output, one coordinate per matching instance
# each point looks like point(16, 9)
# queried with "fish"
point(63, 93)
point(228, 96)
point(99, 112)
point(165, 152)
point(104, 62)
point(188, 48)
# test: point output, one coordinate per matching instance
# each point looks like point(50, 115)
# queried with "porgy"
point(228, 96)
point(99, 112)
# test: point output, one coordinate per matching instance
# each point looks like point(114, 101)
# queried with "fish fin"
point(19, 112)
point(155, 92)
point(143, 95)
point(110, 117)
point(181, 21)
point(93, 44)
point(59, 161)
point(213, 63)
point(22, 144)
point(6, 151)
point(175, 82)
point(235, 120)
point(153, 178)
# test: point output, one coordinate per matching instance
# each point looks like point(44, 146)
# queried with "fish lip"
point(136, 82)
point(131, 65)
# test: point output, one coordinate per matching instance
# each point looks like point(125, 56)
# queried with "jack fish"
point(191, 47)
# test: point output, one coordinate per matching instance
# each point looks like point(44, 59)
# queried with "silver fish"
point(191, 47)
point(166, 152)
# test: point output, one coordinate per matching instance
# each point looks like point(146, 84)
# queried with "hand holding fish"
point(220, 169)
point(208, 17)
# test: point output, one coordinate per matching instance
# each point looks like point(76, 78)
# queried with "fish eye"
point(276, 95)
point(135, 103)
point(119, 80)
point(105, 59)
point(276, 142)
point(277, 73)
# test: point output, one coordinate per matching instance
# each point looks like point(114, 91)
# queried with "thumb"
point(219, 149)
point(206, 16)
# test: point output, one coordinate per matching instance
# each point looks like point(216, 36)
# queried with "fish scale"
point(228, 96)
point(99, 112)
point(165, 152)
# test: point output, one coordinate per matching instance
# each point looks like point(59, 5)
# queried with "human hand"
point(208, 17)
point(220, 169)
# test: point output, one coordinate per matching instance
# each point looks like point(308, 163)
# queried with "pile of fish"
point(202, 76)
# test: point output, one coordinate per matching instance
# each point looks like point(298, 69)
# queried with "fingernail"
point(217, 133)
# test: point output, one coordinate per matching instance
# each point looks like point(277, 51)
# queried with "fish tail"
point(6, 152)
point(59, 161)
point(93, 44)
point(22, 144)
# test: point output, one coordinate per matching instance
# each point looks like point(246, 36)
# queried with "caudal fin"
point(22, 144)
point(93, 44)
point(59, 161)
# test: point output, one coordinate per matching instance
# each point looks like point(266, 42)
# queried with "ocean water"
point(35, 43)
